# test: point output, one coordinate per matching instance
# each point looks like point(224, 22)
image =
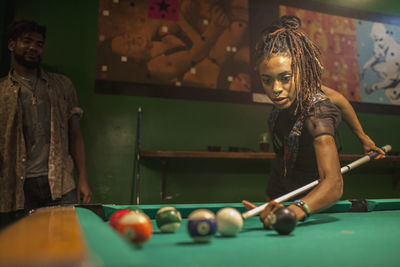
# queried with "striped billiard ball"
point(168, 219)
point(202, 225)
point(135, 226)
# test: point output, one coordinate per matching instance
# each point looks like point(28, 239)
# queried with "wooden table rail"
point(47, 237)
point(170, 154)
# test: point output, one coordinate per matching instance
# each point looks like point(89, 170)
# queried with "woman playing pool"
point(303, 122)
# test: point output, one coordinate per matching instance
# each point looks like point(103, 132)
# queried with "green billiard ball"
point(168, 219)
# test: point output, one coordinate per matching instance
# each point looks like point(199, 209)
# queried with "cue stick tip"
point(245, 216)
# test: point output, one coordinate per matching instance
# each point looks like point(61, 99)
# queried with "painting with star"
point(197, 49)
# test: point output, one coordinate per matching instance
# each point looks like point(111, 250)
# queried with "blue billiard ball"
point(202, 225)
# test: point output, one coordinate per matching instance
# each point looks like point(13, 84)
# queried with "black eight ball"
point(283, 220)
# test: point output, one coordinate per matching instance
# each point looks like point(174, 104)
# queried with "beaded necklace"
point(291, 146)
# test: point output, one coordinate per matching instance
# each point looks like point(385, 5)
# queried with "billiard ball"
point(168, 219)
point(229, 221)
point(283, 220)
point(135, 226)
point(134, 208)
point(202, 225)
point(116, 216)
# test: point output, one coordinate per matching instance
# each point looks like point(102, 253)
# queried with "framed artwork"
point(361, 57)
point(202, 49)
point(192, 49)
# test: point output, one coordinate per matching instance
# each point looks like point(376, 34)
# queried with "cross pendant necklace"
point(34, 99)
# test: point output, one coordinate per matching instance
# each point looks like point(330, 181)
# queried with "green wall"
point(109, 125)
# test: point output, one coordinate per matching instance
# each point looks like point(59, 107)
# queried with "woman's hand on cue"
point(248, 205)
point(370, 147)
point(271, 208)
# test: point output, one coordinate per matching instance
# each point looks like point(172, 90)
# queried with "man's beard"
point(28, 64)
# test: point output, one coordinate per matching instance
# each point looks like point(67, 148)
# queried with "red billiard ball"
point(116, 216)
point(136, 227)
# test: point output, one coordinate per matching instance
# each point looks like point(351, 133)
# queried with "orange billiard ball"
point(136, 227)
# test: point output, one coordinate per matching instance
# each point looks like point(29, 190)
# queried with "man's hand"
point(84, 192)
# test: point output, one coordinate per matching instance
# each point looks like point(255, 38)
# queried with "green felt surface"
point(186, 209)
point(327, 239)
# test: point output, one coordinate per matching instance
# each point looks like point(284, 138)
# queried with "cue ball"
point(116, 216)
point(168, 219)
point(136, 227)
point(202, 225)
point(283, 220)
point(229, 221)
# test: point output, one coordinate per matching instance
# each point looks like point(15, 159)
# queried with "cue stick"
point(303, 189)
point(137, 165)
point(364, 159)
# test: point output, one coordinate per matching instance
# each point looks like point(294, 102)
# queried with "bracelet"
point(302, 205)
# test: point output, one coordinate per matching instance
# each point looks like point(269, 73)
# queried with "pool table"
point(350, 233)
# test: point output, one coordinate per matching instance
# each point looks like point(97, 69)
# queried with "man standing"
point(40, 137)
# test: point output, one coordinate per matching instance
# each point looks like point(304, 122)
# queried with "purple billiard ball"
point(202, 225)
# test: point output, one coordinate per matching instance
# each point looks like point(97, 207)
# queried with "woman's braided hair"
point(285, 37)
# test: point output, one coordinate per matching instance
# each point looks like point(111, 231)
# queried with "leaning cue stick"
point(137, 164)
point(303, 189)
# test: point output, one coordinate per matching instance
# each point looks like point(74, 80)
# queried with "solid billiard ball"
point(202, 225)
point(283, 220)
point(116, 216)
point(229, 221)
point(136, 227)
point(168, 219)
